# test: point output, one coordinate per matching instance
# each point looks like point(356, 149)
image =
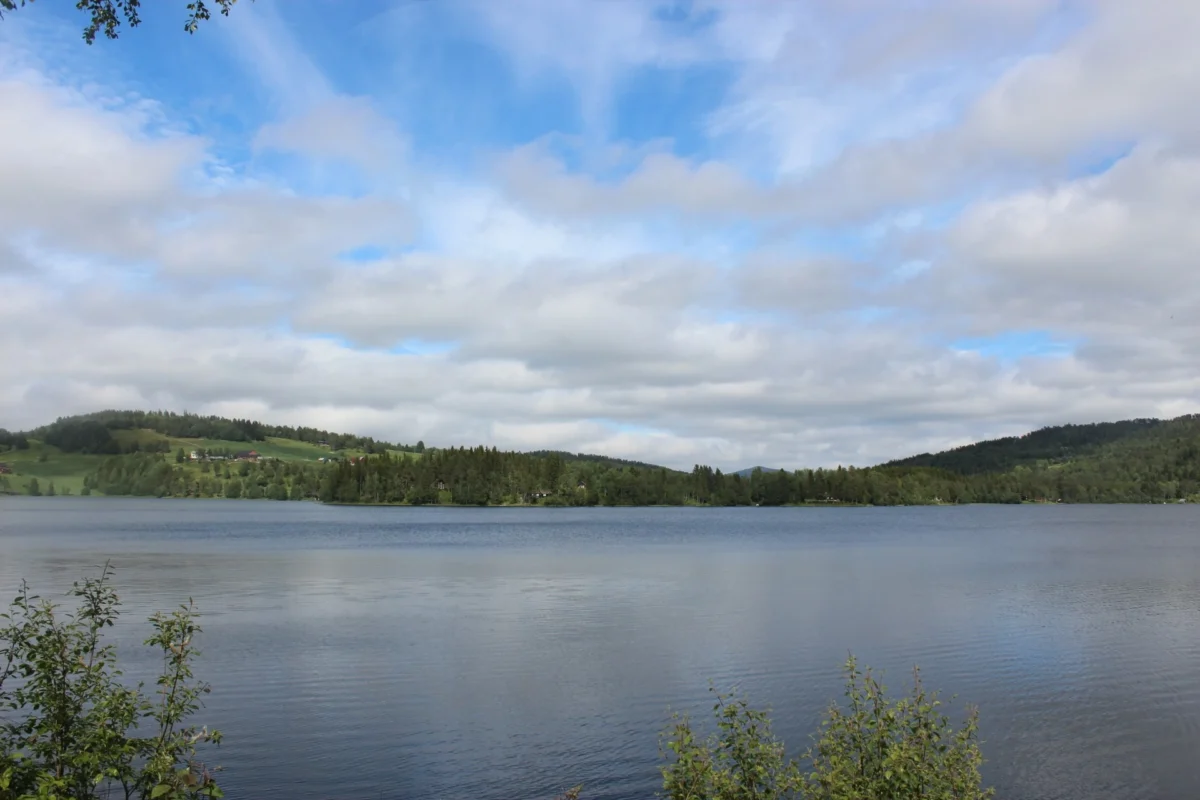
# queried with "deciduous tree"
point(107, 16)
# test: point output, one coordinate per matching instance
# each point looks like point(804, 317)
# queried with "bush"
point(71, 733)
point(872, 749)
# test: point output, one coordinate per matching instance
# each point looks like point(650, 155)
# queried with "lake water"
point(511, 653)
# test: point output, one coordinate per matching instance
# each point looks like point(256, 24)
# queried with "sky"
point(728, 232)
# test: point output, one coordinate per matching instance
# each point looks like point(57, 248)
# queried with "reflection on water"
point(359, 653)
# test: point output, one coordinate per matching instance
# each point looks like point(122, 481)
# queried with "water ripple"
point(379, 653)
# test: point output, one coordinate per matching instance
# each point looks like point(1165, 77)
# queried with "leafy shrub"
point(742, 761)
point(873, 748)
point(68, 725)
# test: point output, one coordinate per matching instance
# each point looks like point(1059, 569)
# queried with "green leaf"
point(159, 791)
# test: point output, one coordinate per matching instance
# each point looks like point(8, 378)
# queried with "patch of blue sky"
point(1098, 159)
point(356, 45)
point(625, 426)
point(473, 100)
point(305, 176)
point(364, 253)
point(687, 16)
point(412, 346)
point(672, 104)
point(218, 102)
point(1012, 345)
point(471, 95)
point(454, 94)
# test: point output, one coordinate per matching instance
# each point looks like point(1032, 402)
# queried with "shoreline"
point(98, 496)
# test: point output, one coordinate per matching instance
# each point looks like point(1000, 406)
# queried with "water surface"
point(510, 653)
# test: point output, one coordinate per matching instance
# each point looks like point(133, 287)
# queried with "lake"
point(512, 653)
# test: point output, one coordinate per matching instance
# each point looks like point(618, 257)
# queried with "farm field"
point(67, 471)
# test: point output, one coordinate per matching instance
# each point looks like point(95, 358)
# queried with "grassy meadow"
point(66, 470)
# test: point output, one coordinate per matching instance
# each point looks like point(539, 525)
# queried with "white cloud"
point(1093, 253)
point(340, 128)
point(261, 39)
point(547, 43)
point(78, 175)
point(255, 234)
point(1120, 78)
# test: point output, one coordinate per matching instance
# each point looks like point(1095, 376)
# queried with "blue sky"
point(795, 234)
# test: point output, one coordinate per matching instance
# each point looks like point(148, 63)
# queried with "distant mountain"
point(748, 471)
point(592, 458)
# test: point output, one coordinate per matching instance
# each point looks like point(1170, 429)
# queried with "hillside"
point(94, 433)
point(1142, 460)
point(1048, 445)
point(592, 458)
point(62, 456)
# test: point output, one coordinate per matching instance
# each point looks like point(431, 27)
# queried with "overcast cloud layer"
point(741, 232)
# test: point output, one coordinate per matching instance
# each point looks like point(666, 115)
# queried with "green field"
point(67, 470)
point(271, 447)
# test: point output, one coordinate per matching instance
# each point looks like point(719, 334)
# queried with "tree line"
point(486, 476)
point(12, 441)
point(1136, 461)
point(153, 475)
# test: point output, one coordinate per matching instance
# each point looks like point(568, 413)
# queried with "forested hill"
point(1052, 445)
point(93, 433)
point(592, 458)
